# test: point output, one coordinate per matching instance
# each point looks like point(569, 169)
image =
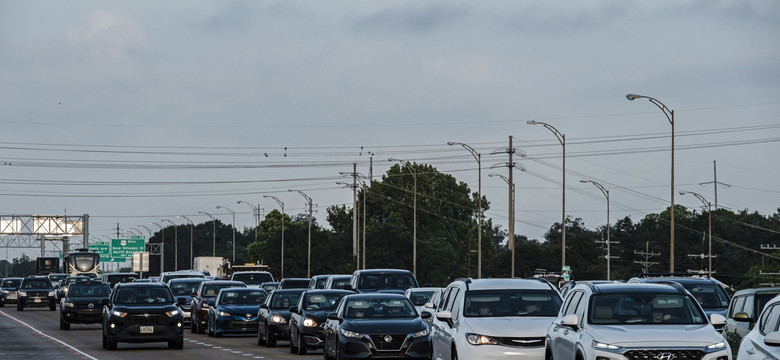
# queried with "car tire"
point(301, 345)
point(193, 326)
point(19, 307)
point(454, 355)
point(105, 342)
point(64, 325)
point(217, 334)
point(260, 340)
point(269, 340)
point(2, 304)
point(548, 354)
point(53, 307)
point(293, 343)
point(325, 354)
point(178, 345)
point(110, 345)
point(209, 332)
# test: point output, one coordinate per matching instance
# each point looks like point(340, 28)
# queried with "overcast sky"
point(135, 111)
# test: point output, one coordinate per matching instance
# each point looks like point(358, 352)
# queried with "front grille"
point(146, 320)
point(661, 354)
point(521, 341)
point(37, 294)
point(240, 325)
point(395, 343)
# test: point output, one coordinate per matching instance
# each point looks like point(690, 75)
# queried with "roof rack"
point(466, 280)
point(680, 274)
point(675, 285)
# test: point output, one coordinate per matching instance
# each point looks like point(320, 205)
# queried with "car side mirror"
point(263, 306)
point(772, 339)
point(445, 316)
point(742, 317)
point(718, 320)
point(294, 310)
point(181, 301)
point(104, 302)
point(571, 321)
point(429, 306)
point(426, 315)
point(333, 316)
point(211, 304)
point(194, 294)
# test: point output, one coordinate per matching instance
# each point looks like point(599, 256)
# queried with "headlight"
point(5, 291)
point(278, 319)
point(309, 322)
point(51, 293)
point(351, 334)
point(205, 305)
point(223, 313)
point(715, 347)
point(476, 339)
point(420, 333)
point(172, 313)
point(603, 346)
point(118, 313)
point(22, 293)
point(69, 304)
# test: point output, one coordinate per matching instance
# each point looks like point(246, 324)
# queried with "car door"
point(563, 338)
point(440, 327)
point(731, 331)
point(446, 330)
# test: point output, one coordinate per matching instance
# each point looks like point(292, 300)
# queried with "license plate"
point(147, 329)
point(37, 301)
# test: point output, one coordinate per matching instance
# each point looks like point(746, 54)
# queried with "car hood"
point(381, 326)
point(42, 289)
point(645, 335)
point(508, 326)
point(240, 309)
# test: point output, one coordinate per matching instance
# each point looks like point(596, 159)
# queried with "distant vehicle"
point(143, 280)
point(252, 278)
point(47, 265)
point(763, 342)
point(185, 288)
point(382, 280)
point(62, 290)
point(142, 312)
point(211, 265)
point(8, 290)
point(83, 304)
point(308, 317)
point(81, 262)
point(338, 282)
point(36, 291)
point(269, 286)
point(273, 318)
point(294, 283)
point(744, 310)
point(318, 281)
point(420, 296)
point(235, 311)
point(113, 278)
point(56, 277)
point(255, 266)
point(181, 274)
point(199, 306)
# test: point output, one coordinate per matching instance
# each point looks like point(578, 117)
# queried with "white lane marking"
point(235, 351)
point(41, 333)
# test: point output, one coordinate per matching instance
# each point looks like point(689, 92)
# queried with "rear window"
point(253, 278)
point(420, 298)
point(393, 281)
point(11, 283)
point(184, 288)
point(36, 284)
point(213, 290)
point(709, 296)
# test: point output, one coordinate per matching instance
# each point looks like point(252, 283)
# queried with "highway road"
point(35, 334)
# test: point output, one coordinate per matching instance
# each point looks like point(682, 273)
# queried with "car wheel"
point(260, 340)
point(19, 307)
point(454, 354)
point(548, 354)
point(53, 307)
point(178, 345)
point(269, 340)
point(63, 324)
point(193, 326)
point(338, 354)
point(293, 343)
point(325, 354)
point(208, 328)
point(105, 342)
point(301, 345)
point(110, 345)
point(2, 304)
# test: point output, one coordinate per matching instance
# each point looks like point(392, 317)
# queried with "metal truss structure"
point(32, 231)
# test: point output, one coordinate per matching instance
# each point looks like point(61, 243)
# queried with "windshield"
point(253, 278)
point(322, 301)
point(36, 284)
point(396, 281)
point(213, 290)
point(184, 288)
point(379, 308)
point(12, 283)
point(55, 278)
point(511, 302)
point(229, 297)
point(113, 279)
point(143, 296)
point(320, 284)
point(644, 308)
point(284, 300)
point(341, 283)
point(420, 298)
point(709, 296)
point(89, 290)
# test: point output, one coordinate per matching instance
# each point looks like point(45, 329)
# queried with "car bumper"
point(279, 331)
point(235, 325)
point(132, 333)
point(412, 348)
point(82, 316)
point(724, 354)
point(313, 338)
point(9, 298)
point(495, 352)
point(37, 302)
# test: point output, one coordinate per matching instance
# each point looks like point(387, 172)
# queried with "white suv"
point(493, 318)
point(634, 321)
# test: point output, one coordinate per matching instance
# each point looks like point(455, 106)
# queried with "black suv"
point(36, 291)
point(83, 303)
point(710, 294)
point(142, 312)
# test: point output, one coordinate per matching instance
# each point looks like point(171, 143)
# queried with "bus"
point(81, 262)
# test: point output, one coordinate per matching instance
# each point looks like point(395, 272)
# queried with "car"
point(745, 307)
point(763, 341)
point(294, 283)
point(8, 290)
point(660, 321)
point(269, 286)
point(83, 303)
point(235, 311)
point(488, 318)
point(420, 296)
point(199, 306)
point(338, 282)
point(708, 292)
point(55, 278)
point(273, 317)
point(432, 305)
point(185, 288)
point(141, 313)
point(318, 281)
point(36, 291)
point(308, 316)
point(570, 284)
point(382, 280)
point(62, 290)
point(112, 278)
point(143, 280)
point(168, 275)
point(252, 278)
point(376, 325)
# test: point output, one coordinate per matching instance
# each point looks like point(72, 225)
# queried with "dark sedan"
point(185, 288)
point(273, 318)
point(307, 319)
point(141, 313)
point(376, 325)
point(199, 306)
point(83, 303)
point(235, 311)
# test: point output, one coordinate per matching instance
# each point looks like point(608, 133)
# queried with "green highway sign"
point(124, 248)
point(103, 248)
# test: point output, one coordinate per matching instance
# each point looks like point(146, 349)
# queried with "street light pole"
point(478, 157)
point(213, 232)
point(414, 213)
point(281, 204)
point(175, 244)
point(606, 193)
point(669, 116)
point(162, 243)
point(308, 256)
point(709, 213)
point(511, 217)
point(256, 211)
point(192, 253)
point(562, 139)
point(234, 231)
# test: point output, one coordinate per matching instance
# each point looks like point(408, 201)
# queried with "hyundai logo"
point(665, 356)
point(389, 338)
point(91, 306)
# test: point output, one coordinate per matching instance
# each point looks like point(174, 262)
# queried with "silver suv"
point(490, 318)
point(634, 321)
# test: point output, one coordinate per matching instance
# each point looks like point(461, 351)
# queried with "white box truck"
point(215, 265)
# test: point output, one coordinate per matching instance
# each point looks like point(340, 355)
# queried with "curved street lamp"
point(477, 156)
point(192, 253)
point(234, 230)
point(281, 204)
point(606, 193)
point(308, 256)
point(414, 212)
point(175, 244)
point(256, 211)
point(562, 139)
point(669, 116)
point(709, 213)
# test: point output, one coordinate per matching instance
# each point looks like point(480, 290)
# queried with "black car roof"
point(621, 288)
point(288, 291)
point(376, 295)
point(140, 285)
point(383, 271)
point(765, 290)
point(247, 289)
point(328, 291)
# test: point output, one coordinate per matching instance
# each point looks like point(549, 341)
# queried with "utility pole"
point(646, 263)
point(715, 182)
point(355, 252)
point(511, 206)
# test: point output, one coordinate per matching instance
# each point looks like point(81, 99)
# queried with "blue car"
point(235, 311)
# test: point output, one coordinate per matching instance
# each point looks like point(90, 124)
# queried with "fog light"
point(178, 324)
point(113, 325)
